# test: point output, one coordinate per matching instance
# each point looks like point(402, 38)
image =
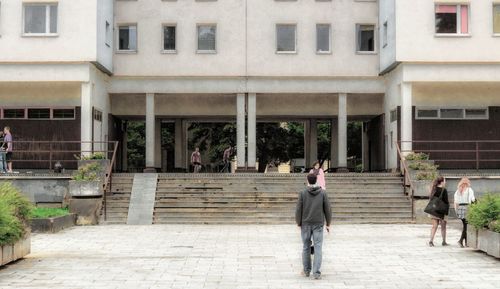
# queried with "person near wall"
point(464, 196)
point(3, 163)
point(7, 146)
point(439, 216)
point(320, 174)
point(196, 160)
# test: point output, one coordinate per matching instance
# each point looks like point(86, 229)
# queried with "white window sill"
point(366, 52)
point(286, 52)
point(451, 35)
point(40, 35)
point(126, 52)
point(323, 52)
point(206, 51)
point(168, 51)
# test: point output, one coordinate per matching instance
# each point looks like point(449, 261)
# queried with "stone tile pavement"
point(246, 257)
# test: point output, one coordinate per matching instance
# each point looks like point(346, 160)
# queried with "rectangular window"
point(169, 37)
point(97, 115)
point(38, 113)
point(385, 34)
point(452, 19)
point(14, 113)
point(63, 113)
point(207, 38)
point(394, 115)
point(286, 38)
point(496, 18)
point(451, 113)
point(366, 38)
point(127, 38)
point(323, 38)
point(476, 113)
point(427, 113)
point(108, 34)
point(40, 19)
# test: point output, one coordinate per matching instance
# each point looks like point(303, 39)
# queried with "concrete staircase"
point(118, 203)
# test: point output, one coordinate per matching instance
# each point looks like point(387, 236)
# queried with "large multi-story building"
point(410, 70)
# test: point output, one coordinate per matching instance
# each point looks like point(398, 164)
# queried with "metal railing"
point(407, 182)
point(461, 154)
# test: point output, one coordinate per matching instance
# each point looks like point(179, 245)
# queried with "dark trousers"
point(464, 230)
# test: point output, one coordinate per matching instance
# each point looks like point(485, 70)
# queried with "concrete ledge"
point(52, 225)
point(11, 253)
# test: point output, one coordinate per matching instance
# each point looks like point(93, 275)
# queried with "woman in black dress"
point(438, 189)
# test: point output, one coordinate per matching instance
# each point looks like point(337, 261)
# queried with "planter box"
point(422, 188)
point(472, 235)
point(430, 162)
point(104, 164)
point(85, 188)
point(482, 240)
point(87, 210)
point(52, 225)
point(10, 253)
point(493, 244)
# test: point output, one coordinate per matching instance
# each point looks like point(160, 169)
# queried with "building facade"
point(410, 70)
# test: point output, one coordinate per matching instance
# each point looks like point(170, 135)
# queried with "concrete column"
point(406, 117)
point(86, 118)
point(158, 153)
point(342, 131)
point(365, 141)
point(124, 148)
point(240, 129)
point(334, 144)
point(313, 141)
point(150, 130)
point(179, 154)
point(252, 130)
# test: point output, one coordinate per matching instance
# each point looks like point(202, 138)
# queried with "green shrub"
point(88, 172)
point(94, 156)
point(49, 212)
point(421, 166)
point(427, 175)
point(15, 212)
point(417, 157)
point(485, 213)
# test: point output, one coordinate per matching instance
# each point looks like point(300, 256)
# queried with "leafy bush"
point(15, 212)
point(94, 156)
point(417, 157)
point(485, 213)
point(88, 172)
point(49, 212)
point(427, 175)
point(421, 166)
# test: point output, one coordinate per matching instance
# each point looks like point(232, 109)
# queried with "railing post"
point(50, 156)
point(477, 155)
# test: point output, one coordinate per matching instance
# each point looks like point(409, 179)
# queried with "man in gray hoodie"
point(313, 208)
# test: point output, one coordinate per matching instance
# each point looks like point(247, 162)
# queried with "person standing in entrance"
point(320, 174)
point(196, 160)
point(226, 158)
point(313, 209)
point(464, 196)
point(7, 145)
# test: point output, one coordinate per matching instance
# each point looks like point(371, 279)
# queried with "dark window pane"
point(169, 38)
point(127, 38)
point(39, 113)
point(206, 37)
point(285, 38)
point(53, 18)
point(366, 38)
point(63, 113)
point(323, 37)
point(431, 113)
point(476, 113)
point(13, 113)
point(452, 113)
point(35, 18)
point(446, 22)
point(394, 115)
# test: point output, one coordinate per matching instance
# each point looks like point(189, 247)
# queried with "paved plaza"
point(255, 256)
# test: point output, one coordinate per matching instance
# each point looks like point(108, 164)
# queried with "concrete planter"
point(10, 253)
point(472, 234)
point(489, 242)
point(103, 164)
point(87, 210)
point(482, 240)
point(422, 188)
point(52, 225)
point(430, 162)
point(85, 188)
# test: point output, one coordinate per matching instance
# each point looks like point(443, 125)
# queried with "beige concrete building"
point(410, 70)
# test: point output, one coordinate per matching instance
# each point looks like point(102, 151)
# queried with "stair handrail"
point(108, 178)
point(405, 170)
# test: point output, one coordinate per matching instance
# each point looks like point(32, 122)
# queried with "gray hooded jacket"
point(313, 207)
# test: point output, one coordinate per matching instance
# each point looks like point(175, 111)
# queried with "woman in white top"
point(464, 196)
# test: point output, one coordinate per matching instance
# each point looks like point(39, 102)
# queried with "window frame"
point(14, 107)
point(198, 51)
point(294, 24)
point(494, 4)
point(129, 51)
point(47, 19)
point(464, 113)
point(358, 38)
point(329, 39)
point(459, 20)
point(385, 34)
point(168, 24)
point(26, 109)
point(66, 108)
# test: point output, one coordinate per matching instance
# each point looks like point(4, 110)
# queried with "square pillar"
point(240, 129)
point(334, 144)
point(310, 142)
point(342, 131)
point(124, 146)
point(406, 117)
point(86, 118)
point(158, 153)
point(252, 130)
point(150, 130)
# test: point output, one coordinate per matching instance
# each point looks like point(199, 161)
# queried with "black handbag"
point(436, 206)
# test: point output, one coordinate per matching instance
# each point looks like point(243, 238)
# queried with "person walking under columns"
point(7, 146)
point(226, 158)
point(196, 160)
point(439, 218)
point(313, 208)
point(464, 196)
